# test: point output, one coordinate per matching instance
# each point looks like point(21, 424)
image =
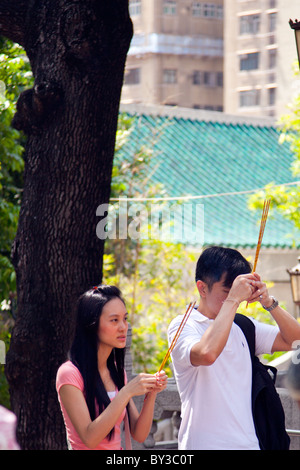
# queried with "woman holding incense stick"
point(92, 387)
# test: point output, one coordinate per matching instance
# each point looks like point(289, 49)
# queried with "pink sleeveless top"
point(68, 374)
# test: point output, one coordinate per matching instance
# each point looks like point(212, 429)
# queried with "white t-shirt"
point(216, 399)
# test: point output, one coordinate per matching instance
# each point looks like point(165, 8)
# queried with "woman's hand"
point(146, 383)
point(140, 423)
point(161, 381)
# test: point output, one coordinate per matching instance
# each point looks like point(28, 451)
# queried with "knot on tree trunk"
point(37, 107)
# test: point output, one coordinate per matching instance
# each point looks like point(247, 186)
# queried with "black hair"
point(83, 352)
point(216, 261)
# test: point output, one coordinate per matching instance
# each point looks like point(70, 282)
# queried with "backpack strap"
point(248, 328)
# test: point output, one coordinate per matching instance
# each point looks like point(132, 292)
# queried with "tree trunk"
point(77, 50)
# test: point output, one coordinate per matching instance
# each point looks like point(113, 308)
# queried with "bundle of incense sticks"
point(177, 334)
point(261, 232)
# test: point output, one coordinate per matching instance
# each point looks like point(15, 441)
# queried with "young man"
point(211, 359)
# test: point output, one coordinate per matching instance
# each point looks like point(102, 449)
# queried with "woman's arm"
point(140, 423)
point(93, 432)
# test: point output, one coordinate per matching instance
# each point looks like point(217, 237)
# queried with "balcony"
point(153, 43)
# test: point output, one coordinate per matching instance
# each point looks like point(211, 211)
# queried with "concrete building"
point(223, 55)
point(259, 51)
point(176, 55)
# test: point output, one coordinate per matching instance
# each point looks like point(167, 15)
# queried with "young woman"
point(92, 387)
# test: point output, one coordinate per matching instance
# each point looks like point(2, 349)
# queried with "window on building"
point(272, 96)
point(197, 9)
point(207, 10)
point(249, 24)
point(249, 61)
point(249, 98)
point(135, 7)
point(272, 22)
point(132, 77)
point(169, 7)
point(272, 58)
point(219, 11)
point(169, 76)
point(220, 79)
point(196, 77)
point(209, 79)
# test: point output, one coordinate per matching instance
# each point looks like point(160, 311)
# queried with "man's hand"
point(243, 288)
point(260, 293)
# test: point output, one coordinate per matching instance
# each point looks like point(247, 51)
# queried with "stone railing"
point(166, 420)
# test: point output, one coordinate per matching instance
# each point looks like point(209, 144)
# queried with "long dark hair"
point(83, 352)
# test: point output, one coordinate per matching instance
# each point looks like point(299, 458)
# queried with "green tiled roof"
point(193, 157)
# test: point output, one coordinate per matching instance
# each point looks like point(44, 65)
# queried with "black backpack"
point(267, 410)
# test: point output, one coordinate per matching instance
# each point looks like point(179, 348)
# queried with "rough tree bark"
point(77, 50)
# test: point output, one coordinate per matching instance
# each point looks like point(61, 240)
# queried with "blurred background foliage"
point(15, 76)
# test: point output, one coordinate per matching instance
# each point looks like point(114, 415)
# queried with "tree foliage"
point(15, 76)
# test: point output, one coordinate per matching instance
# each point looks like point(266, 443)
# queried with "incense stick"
point(180, 328)
point(261, 232)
